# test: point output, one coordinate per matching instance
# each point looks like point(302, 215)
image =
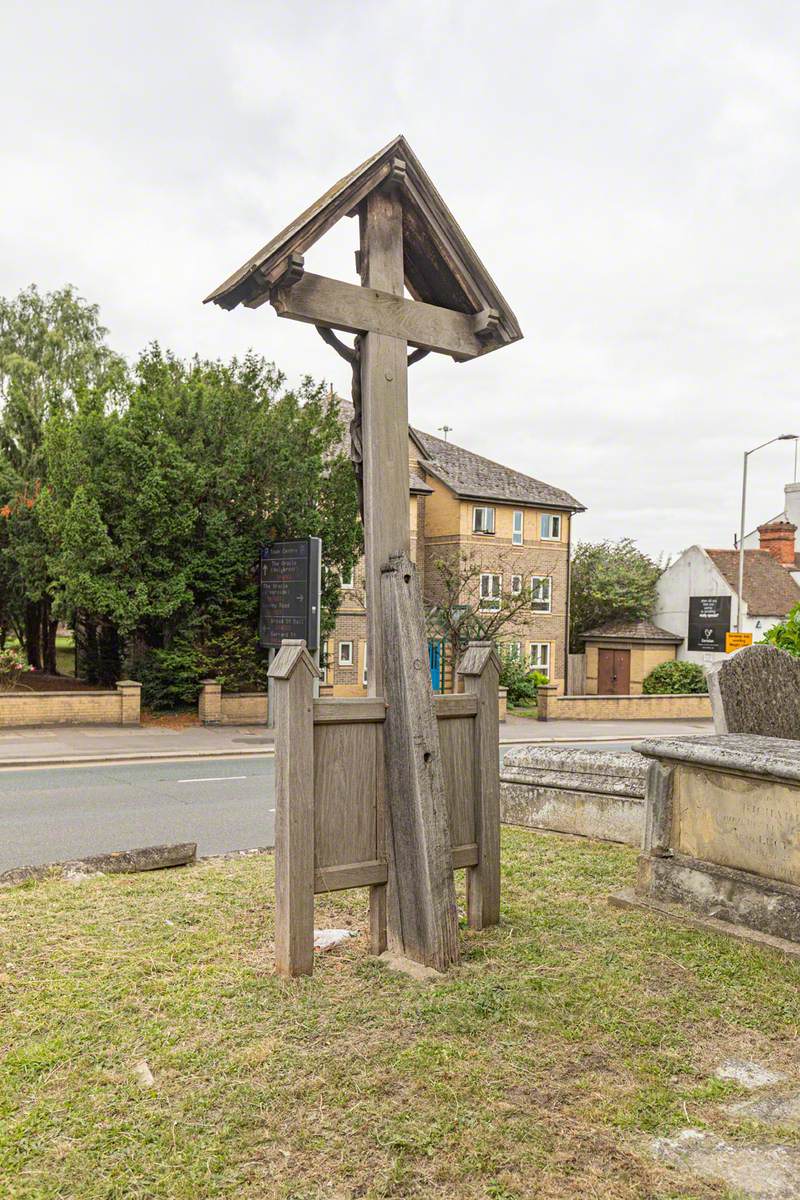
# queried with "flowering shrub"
point(12, 668)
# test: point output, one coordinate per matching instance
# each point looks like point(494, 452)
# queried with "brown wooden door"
point(614, 672)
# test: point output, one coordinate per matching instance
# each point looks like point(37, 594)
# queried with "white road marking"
point(212, 779)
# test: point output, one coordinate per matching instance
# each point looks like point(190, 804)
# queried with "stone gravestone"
point(756, 691)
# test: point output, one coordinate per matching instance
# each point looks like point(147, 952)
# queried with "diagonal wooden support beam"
point(329, 302)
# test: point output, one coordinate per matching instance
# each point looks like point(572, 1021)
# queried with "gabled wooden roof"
point(441, 266)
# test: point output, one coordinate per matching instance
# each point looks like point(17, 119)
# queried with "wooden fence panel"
point(456, 738)
point(345, 789)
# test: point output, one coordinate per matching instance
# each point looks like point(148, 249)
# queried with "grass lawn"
point(539, 1068)
point(65, 653)
point(524, 710)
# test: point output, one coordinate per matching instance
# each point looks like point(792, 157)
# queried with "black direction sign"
point(709, 621)
point(290, 592)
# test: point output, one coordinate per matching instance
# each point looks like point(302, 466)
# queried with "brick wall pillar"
point(502, 704)
point(210, 706)
point(131, 696)
point(544, 695)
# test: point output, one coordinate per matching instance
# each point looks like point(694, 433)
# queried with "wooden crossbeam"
point(337, 305)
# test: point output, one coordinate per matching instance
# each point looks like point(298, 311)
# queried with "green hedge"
point(675, 678)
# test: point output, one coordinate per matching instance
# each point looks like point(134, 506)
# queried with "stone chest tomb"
point(722, 834)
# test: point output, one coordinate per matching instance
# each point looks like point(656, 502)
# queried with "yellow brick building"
point(516, 529)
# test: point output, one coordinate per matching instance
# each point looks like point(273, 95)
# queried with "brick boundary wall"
point(553, 707)
point(235, 708)
point(119, 707)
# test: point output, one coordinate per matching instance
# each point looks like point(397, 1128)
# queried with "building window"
point(323, 664)
point(513, 649)
point(541, 593)
point(516, 585)
point(490, 592)
point(346, 578)
point(345, 654)
point(539, 657)
point(516, 529)
point(483, 520)
point(551, 527)
point(364, 672)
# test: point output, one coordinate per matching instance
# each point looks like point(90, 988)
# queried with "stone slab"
point(748, 754)
point(746, 822)
point(782, 1112)
point(756, 1172)
point(587, 793)
point(407, 966)
point(748, 1073)
point(682, 916)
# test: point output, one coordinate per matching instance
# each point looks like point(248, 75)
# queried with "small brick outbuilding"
point(621, 654)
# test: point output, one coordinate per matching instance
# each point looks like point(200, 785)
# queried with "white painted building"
point(770, 590)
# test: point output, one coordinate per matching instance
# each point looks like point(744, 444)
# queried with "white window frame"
point(516, 585)
point(323, 663)
point(488, 520)
point(491, 599)
point(347, 582)
point(551, 521)
point(546, 600)
point(514, 649)
point(517, 535)
point(345, 660)
point(364, 672)
point(542, 667)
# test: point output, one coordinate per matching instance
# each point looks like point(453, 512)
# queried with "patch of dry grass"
point(538, 1069)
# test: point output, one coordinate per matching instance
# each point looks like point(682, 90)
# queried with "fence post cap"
point(477, 657)
point(127, 683)
point(291, 654)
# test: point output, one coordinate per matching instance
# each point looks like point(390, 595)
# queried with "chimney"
point(778, 539)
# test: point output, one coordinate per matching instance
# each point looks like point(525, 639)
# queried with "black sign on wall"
point(289, 592)
point(709, 621)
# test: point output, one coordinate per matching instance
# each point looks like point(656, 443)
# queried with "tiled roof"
point(470, 475)
point(477, 478)
point(632, 631)
point(769, 590)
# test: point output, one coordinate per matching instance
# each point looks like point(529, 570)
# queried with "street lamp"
point(782, 437)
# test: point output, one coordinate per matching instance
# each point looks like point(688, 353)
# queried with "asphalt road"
point(50, 814)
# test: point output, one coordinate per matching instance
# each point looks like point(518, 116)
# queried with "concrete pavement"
point(99, 743)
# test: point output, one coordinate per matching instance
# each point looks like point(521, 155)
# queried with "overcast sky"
point(629, 172)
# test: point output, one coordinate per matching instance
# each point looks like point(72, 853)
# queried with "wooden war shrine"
point(397, 790)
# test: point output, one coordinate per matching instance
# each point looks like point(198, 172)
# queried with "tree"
point(159, 505)
point(786, 635)
point(455, 611)
point(609, 581)
point(52, 350)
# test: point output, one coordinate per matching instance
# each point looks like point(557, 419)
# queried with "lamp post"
point(782, 437)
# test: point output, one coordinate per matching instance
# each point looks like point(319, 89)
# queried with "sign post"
point(290, 578)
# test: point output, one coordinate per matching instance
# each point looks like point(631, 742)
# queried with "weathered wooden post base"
point(422, 915)
point(480, 670)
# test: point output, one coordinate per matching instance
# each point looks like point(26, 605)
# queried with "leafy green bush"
point(172, 678)
point(12, 668)
point(786, 636)
point(675, 678)
point(521, 681)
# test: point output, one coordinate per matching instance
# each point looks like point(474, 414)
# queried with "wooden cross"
point(408, 240)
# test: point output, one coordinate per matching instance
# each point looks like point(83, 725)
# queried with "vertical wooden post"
point(384, 401)
point(292, 677)
point(480, 670)
point(422, 914)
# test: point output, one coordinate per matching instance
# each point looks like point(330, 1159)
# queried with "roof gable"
point(440, 265)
